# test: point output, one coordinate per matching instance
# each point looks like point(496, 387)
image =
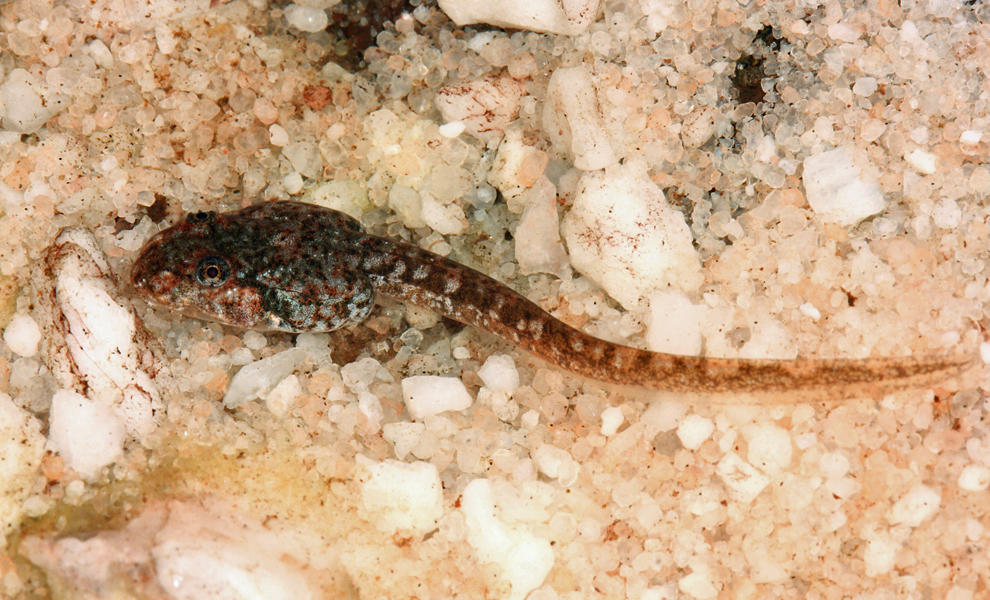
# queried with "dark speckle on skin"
point(296, 267)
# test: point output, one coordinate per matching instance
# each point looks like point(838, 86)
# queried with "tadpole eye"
point(212, 271)
point(201, 216)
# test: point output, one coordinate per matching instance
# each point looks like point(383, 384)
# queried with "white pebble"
point(305, 158)
point(573, 121)
point(403, 435)
point(451, 129)
point(549, 16)
point(499, 373)
point(400, 497)
point(833, 465)
point(920, 503)
point(698, 584)
point(922, 162)
point(25, 107)
point(974, 478)
point(836, 189)
point(280, 400)
point(555, 463)
point(694, 430)
point(277, 135)
point(255, 379)
point(523, 559)
point(769, 447)
point(22, 335)
point(971, 137)
point(947, 214)
point(743, 480)
point(88, 435)
point(538, 246)
point(428, 395)
point(808, 309)
point(293, 183)
point(880, 555)
point(623, 235)
point(445, 219)
point(254, 340)
point(663, 415)
point(611, 420)
point(865, 86)
point(306, 18)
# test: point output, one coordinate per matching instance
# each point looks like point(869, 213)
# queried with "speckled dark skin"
point(296, 267)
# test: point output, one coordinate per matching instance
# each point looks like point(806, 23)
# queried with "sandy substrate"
point(762, 180)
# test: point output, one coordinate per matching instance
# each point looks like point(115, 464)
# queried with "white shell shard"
point(622, 234)
point(568, 17)
point(93, 343)
point(573, 121)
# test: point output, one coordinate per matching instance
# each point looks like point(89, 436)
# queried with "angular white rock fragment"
point(833, 465)
point(407, 204)
point(22, 335)
point(277, 135)
point(769, 447)
point(742, 479)
point(428, 395)
point(537, 239)
point(836, 189)
point(918, 504)
point(306, 18)
point(572, 119)
point(567, 17)
point(674, 323)
point(499, 373)
point(404, 436)
point(305, 157)
point(612, 419)
point(255, 379)
point(663, 415)
point(21, 449)
point(698, 584)
point(87, 434)
point(974, 478)
point(452, 129)
point(947, 214)
point(971, 137)
point(622, 234)
point(923, 162)
point(555, 463)
point(400, 497)
point(93, 341)
point(522, 558)
point(445, 219)
point(518, 165)
point(25, 103)
point(279, 401)
point(694, 430)
point(880, 555)
point(484, 106)
point(809, 310)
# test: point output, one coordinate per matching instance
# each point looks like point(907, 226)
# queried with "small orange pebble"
point(53, 467)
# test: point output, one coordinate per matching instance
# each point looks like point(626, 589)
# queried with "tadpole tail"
point(413, 275)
